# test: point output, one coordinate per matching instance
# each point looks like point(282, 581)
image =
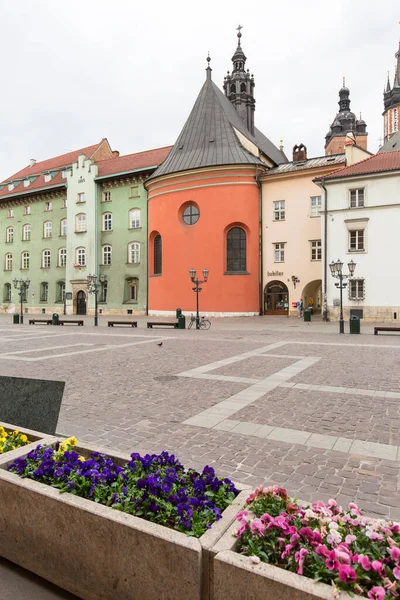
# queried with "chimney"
point(115, 153)
point(299, 153)
point(32, 162)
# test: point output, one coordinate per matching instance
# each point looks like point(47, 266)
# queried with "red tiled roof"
point(64, 160)
point(38, 184)
point(381, 162)
point(132, 162)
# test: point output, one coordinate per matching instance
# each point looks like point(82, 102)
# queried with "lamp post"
point(337, 272)
point(22, 285)
point(94, 288)
point(197, 289)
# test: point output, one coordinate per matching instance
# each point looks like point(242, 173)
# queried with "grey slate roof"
point(310, 163)
point(208, 138)
point(392, 143)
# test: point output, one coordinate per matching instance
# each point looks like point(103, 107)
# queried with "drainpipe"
point(147, 249)
point(261, 261)
point(325, 303)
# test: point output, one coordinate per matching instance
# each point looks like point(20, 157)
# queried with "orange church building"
point(204, 204)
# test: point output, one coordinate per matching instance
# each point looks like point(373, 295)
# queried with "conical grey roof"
point(208, 137)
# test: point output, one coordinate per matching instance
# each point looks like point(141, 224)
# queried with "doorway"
point(81, 303)
point(276, 299)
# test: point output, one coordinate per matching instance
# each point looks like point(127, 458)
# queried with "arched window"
point(60, 291)
point(134, 218)
point(81, 256)
point(9, 235)
point(107, 251)
point(233, 89)
point(242, 87)
point(46, 259)
point(44, 291)
point(8, 262)
point(107, 222)
point(25, 260)
point(132, 289)
point(26, 232)
point(236, 250)
point(80, 223)
point(62, 257)
point(134, 252)
point(63, 227)
point(157, 255)
point(103, 291)
point(47, 229)
point(7, 292)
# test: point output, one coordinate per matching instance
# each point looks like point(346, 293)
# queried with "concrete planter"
point(99, 553)
point(236, 577)
point(34, 437)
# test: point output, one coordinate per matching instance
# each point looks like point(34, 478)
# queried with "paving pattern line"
point(340, 390)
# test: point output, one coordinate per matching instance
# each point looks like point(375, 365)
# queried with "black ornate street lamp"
point(197, 289)
point(94, 288)
point(337, 272)
point(22, 285)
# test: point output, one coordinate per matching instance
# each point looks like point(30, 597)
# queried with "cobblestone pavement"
point(304, 408)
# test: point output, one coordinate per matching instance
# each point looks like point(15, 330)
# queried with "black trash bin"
point(181, 322)
point(354, 324)
point(16, 318)
point(56, 319)
point(178, 312)
point(307, 315)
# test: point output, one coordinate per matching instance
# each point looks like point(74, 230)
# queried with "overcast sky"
point(76, 71)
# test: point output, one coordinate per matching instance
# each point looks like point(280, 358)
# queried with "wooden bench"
point(151, 324)
point(376, 329)
point(33, 321)
point(130, 323)
point(74, 322)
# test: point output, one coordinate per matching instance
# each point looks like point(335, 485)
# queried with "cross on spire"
point(239, 33)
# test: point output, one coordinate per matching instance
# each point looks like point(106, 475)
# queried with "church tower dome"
point(391, 101)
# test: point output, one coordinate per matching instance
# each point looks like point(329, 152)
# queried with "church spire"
point(391, 101)
point(345, 122)
point(239, 86)
point(396, 82)
point(208, 69)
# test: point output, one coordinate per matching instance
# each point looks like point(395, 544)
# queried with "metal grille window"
point(103, 291)
point(356, 240)
point(62, 257)
point(316, 250)
point(315, 206)
point(81, 256)
point(46, 259)
point(279, 210)
point(279, 252)
point(157, 255)
point(107, 222)
point(10, 235)
point(133, 285)
point(25, 260)
point(64, 226)
point(191, 214)
point(357, 198)
point(26, 233)
point(107, 250)
point(7, 292)
point(356, 289)
point(8, 262)
point(80, 222)
point(44, 292)
point(236, 250)
point(134, 253)
point(48, 229)
point(134, 218)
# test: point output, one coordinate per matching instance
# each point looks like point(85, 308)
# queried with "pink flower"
point(395, 553)
point(322, 550)
point(350, 538)
point(332, 562)
point(257, 527)
point(241, 514)
point(347, 574)
point(377, 593)
point(299, 558)
point(343, 557)
point(254, 559)
point(378, 567)
point(396, 572)
point(364, 561)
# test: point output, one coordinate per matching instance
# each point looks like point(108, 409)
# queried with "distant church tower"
point(391, 100)
point(239, 87)
point(345, 122)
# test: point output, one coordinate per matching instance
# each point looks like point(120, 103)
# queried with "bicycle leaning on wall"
point(203, 322)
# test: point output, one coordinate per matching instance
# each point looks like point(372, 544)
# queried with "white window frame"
point(279, 252)
point(25, 261)
point(80, 199)
point(27, 210)
point(279, 210)
point(10, 235)
point(46, 259)
point(80, 223)
point(62, 257)
point(10, 213)
point(134, 253)
point(357, 237)
point(44, 291)
point(356, 198)
point(107, 221)
point(26, 232)
point(48, 229)
point(133, 285)
point(134, 218)
point(107, 254)
point(316, 250)
point(64, 203)
point(81, 256)
point(48, 206)
point(8, 264)
point(103, 291)
point(357, 291)
point(315, 206)
point(63, 227)
point(107, 196)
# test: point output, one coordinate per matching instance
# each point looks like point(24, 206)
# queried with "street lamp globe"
point(339, 265)
point(192, 273)
point(205, 274)
point(332, 267)
point(352, 267)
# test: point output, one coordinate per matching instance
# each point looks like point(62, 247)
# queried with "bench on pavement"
point(73, 321)
point(151, 324)
point(34, 321)
point(376, 329)
point(130, 323)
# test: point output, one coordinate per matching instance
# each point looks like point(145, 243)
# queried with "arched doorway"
point(81, 303)
point(276, 298)
point(312, 295)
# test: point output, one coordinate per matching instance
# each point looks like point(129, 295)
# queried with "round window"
point(191, 214)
